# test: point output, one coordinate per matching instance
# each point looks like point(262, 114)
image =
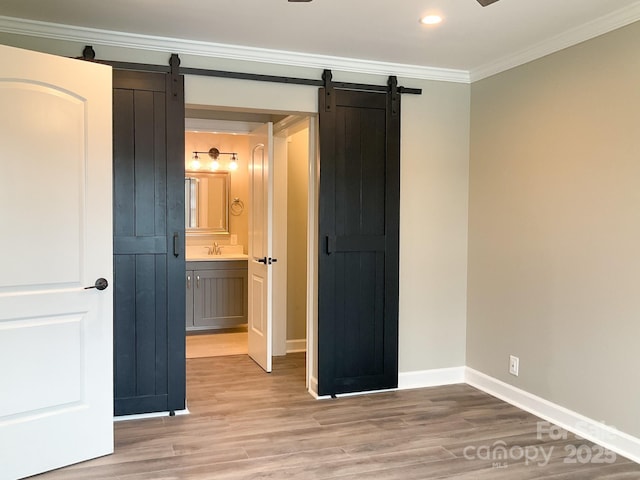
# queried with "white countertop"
point(225, 257)
point(228, 253)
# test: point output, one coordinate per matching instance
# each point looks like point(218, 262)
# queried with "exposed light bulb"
point(195, 161)
point(234, 162)
point(215, 165)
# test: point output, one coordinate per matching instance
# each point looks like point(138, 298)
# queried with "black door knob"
point(100, 284)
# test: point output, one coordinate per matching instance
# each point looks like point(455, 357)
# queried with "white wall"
point(434, 182)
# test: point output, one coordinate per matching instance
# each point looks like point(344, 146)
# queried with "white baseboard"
point(408, 380)
point(295, 346)
point(587, 428)
point(431, 378)
point(313, 389)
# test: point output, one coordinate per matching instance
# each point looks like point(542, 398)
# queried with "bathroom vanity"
point(216, 275)
point(216, 292)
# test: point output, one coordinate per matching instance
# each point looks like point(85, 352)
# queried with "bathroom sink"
point(228, 252)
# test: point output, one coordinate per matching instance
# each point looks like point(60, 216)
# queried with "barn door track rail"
point(89, 54)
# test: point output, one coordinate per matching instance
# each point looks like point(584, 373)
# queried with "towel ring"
point(237, 207)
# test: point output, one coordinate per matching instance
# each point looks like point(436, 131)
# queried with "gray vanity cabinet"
point(216, 294)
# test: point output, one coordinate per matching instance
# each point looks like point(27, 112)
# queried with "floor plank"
point(246, 424)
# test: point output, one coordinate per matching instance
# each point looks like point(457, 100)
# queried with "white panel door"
point(279, 245)
point(260, 310)
point(56, 398)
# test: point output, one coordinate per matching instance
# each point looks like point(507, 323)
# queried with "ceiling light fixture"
point(431, 20)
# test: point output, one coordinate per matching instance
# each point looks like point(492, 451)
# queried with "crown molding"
point(608, 23)
point(73, 33)
point(615, 20)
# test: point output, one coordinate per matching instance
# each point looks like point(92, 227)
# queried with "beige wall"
point(434, 179)
point(297, 204)
point(554, 228)
point(202, 142)
point(433, 235)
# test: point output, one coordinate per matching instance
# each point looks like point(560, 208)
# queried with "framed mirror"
point(206, 202)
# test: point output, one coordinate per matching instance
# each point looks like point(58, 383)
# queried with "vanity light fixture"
point(214, 154)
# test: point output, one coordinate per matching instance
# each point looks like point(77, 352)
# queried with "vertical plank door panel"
point(148, 212)
point(358, 258)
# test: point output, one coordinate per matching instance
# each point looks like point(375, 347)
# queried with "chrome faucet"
point(215, 249)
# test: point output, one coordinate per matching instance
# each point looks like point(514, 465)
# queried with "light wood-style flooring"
point(216, 344)
point(246, 424)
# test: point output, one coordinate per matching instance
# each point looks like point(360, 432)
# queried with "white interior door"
point(279, 243)
point(56, 400)
point(260, 310)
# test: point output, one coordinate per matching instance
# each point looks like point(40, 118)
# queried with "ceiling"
point(471, 38)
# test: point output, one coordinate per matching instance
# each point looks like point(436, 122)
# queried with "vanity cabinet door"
point(219, 298)
point(189, 299)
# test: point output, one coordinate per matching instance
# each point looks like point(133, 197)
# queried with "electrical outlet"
point(514, 365)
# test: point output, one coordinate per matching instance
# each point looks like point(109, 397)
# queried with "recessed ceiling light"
point(431, 19)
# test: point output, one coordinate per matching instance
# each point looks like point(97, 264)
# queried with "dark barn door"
point(359, 242)
point(148, 196)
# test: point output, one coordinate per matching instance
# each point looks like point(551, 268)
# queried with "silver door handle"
point(197, 281)
point(188, 281)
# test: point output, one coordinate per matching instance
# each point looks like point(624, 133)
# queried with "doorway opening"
point(223, 328)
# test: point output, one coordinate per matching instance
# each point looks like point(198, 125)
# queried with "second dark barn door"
point(359, 242)
point(149, 266)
